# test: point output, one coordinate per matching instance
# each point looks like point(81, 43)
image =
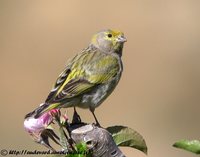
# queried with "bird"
point(90, 76)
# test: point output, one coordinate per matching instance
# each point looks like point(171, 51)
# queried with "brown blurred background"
point(158, 94)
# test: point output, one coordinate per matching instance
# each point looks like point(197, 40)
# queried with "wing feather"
point(83, 73)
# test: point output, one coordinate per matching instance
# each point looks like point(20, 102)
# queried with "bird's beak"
point(121, 39)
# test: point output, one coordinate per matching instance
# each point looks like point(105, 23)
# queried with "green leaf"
point(81, 151)
point(76, 155)
point(192, 146)
point(81, 148)
point(124, 136)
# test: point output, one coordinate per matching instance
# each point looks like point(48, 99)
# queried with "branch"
point(98, 140)
point(82, 138)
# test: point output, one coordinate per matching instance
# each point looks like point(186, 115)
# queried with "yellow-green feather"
point(94, 67)
point(50, 107)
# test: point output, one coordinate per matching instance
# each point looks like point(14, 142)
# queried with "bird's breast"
point(99, 94)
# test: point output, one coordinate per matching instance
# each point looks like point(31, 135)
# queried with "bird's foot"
point(76, 118)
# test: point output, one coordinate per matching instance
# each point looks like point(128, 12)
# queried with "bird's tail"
point(45, 107)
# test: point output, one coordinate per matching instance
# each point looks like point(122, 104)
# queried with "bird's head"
point(109, 40)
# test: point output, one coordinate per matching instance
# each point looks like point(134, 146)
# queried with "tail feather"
point(38, 111)
point(29, 114)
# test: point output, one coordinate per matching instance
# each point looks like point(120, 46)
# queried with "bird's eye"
point(109, 35)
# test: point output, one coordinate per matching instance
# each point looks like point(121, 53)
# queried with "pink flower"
point(37, 128)
point(64, 119)
point(32, 124)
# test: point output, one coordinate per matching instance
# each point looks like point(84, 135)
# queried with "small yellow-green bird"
point(90, 76)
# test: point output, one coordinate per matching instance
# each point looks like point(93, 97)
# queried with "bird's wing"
point(83, 73)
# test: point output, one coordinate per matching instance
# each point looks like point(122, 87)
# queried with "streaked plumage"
point(90, 76)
